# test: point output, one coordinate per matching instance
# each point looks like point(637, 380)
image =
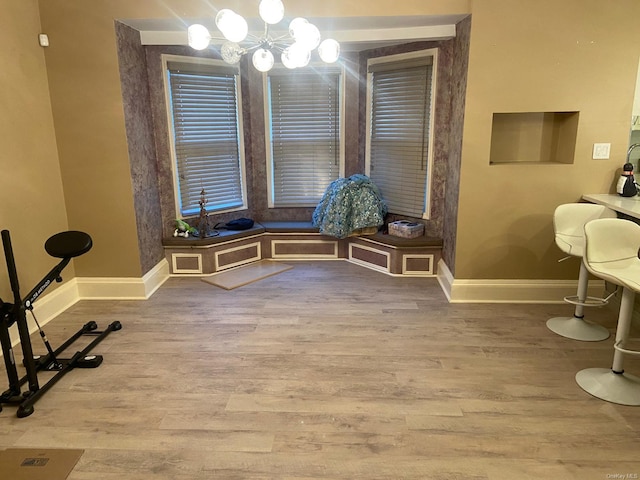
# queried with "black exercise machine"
point(64, 245)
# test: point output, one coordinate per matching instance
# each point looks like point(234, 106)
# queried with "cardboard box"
point(37, 464)
point(406, 229)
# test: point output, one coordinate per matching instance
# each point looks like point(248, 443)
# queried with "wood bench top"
point(222, 236)
point(296, 227)
point(290, 227)
point(400, 242)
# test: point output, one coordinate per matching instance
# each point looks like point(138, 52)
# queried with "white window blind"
point(304, 126)
point(204, 108)
point(399, 133)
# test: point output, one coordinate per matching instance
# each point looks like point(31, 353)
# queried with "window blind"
point(305, 135)
point(205, 124)
point(399, 135)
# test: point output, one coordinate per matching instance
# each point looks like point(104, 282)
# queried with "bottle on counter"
point(627, 186)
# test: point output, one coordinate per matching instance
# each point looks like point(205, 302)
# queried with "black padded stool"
point(68, 244)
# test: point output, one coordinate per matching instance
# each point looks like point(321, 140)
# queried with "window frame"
point(403, 57)
point(340, 70)
point(166, 60)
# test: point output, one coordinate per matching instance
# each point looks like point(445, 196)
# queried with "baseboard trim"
point(57, 301)
point(445, 278)
point(48, 307)
point(123, 288)
point(510, 291)
point(53, 304)
point(155, 277)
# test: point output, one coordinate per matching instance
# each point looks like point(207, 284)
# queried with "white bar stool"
point(568, 224)
point(611, 253)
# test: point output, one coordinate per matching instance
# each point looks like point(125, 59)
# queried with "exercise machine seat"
point(68, 244)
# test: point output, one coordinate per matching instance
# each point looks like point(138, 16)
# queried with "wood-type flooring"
point(330, 371)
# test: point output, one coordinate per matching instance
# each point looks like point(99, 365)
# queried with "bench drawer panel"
point(236, 256)
point(417, 264)
point(310, 249)
point(369, 257)
point(186, 263)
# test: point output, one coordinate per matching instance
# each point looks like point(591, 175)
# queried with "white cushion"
point(611, 251)
point(569, 221)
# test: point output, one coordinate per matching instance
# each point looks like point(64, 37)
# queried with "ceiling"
point(353, 33)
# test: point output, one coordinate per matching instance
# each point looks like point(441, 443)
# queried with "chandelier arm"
point(283, 37)
point(251, 48)
point(257, 41)
point(253, 37)
point(280, 46)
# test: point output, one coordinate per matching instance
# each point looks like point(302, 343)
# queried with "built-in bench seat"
point(300, 241)
point(400, 242)
point(220, 237)
point(204, 256)
point(290, 227)
point(396, 255)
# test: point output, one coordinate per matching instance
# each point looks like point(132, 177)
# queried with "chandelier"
point(294, 48)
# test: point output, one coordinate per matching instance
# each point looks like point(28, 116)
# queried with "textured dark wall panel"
point(458, 94)
point(140, 142)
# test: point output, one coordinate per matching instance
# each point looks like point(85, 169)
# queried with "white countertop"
point(627, 205)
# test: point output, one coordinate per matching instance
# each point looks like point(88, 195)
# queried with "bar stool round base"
point(577, 329)
point(620, 388)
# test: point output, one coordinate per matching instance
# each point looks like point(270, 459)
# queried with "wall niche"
point(533, 137)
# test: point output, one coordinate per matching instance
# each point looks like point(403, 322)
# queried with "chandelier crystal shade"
point(294, 48)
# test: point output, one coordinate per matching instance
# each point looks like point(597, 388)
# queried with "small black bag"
point(237, 224)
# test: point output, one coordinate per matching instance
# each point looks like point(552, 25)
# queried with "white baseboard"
point(123, 288)
point(445, 278)
point(57, 301)
point(155, 277)
point(510, 291)
point(49, 306)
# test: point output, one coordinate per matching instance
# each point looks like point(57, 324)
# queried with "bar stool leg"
point(613, 385)
point(576, 327)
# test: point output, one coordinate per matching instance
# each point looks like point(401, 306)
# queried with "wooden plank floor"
point(330, 371)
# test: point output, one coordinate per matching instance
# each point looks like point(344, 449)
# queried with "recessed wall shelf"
point(533, 137)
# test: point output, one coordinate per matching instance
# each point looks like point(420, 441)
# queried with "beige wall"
point(525, 56)
point(88, 112)
point(31, 197)
point(534, 56)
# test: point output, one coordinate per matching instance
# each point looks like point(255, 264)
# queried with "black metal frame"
point(15, 312)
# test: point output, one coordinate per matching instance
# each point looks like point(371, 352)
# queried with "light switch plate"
point(601, 151)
